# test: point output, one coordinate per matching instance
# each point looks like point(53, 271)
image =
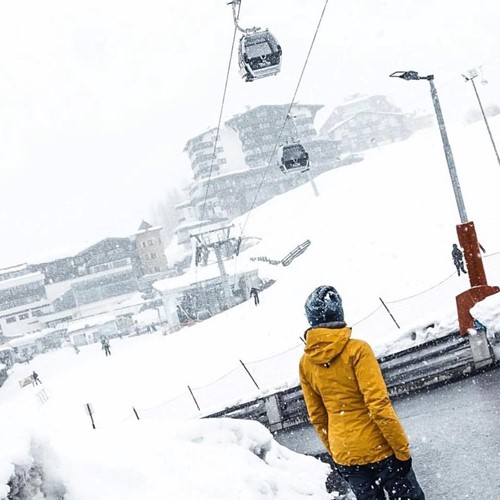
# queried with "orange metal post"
point(479, 287)
point(468, 241)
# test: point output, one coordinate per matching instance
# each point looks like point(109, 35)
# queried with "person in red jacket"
point(348, 404)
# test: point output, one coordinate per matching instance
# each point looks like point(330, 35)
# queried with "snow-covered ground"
point(381, 228)
point(214, 459)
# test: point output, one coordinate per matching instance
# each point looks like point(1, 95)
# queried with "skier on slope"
point(255, 294)
point(36, 378)
point(347, 402)
point(105, 346)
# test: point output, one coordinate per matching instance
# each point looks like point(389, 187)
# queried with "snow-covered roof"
point(25, 339)
point(135, 299)
point(356, 98)
point(365, 111)
point(232, 173)
point(149, 229)
point(186, 203)
point(146, 317)
point(201, 274)
point(81, 324)
point(144, 225)
point(13, 269)
point(191, 223)
point(22, 280)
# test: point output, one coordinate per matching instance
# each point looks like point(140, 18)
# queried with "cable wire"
point(266, 169)
point(220, 120)
point(264, 174)
point(203, 209)
point(422, 292)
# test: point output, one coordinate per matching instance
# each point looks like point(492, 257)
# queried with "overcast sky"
point(98, 97)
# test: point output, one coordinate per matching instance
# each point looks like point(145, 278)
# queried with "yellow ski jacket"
point(347, 400)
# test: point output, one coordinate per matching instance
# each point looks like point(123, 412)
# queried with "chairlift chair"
point(293, 157)
point(259, 55)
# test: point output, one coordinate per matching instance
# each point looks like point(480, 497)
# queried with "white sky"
point(380, 228)
point(98, 98)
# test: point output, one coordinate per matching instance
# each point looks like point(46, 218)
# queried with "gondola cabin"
point(293, 157)
point(259, 55)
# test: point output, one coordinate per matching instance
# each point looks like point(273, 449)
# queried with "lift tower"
point(218, 240)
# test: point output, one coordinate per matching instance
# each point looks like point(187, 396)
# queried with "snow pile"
point(210, 459)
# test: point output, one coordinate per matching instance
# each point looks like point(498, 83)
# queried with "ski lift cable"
point(202, 217)
point(236, 15)
point(367, 316)
point(219, 124)
point(422, 292)
point(288, 114)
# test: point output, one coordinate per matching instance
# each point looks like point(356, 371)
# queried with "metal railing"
point(429, 364)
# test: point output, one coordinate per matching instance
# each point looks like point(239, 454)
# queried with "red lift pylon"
point(479, 287)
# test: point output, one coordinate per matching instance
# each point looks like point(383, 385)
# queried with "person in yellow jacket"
point(348, 404)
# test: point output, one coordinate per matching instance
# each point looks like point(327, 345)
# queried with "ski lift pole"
point(223, 275)
point(90, 413)
point(249, 374)
point(311, 181)
point(390, 314)
point(194, 399)
point(471, 79)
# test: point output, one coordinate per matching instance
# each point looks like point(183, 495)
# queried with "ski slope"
point(383, 227)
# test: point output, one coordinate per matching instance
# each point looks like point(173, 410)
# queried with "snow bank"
point(220, 459)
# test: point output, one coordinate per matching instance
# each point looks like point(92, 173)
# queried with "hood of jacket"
point(325, 342)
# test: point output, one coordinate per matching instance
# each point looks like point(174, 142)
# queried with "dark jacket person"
point(348, 404)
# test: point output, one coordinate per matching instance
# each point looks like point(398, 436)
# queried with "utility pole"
point(447, 151)
point(216, 240)
point(466, 231)
point(469, 77)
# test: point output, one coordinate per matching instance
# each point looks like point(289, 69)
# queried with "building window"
point(151, 242)
point(23, 316)
point(157, 269)
point(36, 312)
point(153, 255)
point(143, 244)
point(12, 319)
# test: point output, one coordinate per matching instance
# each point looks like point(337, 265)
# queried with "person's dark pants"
point(334, 481)
point(256, 300)
point(369, 481)
point(460, 267)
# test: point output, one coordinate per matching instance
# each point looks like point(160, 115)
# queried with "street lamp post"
point(413, 75)
point(465, 230)
point(469, 77)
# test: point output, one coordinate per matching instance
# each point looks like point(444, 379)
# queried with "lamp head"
point(470, 74)
point(410, 75)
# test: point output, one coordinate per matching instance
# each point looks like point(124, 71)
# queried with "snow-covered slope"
point(382, 228)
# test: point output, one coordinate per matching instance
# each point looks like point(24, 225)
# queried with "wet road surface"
point(454, 432)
